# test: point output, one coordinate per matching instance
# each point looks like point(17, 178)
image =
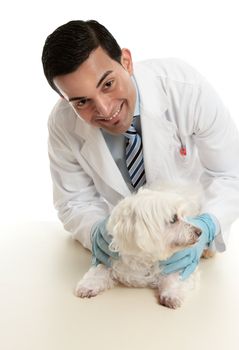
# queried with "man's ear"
point(126, 60)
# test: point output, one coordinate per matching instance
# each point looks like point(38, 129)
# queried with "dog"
point(146, 228)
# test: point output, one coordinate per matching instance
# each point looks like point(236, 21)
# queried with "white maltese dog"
point(147, 227)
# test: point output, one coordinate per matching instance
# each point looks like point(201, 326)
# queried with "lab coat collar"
point(152, 97)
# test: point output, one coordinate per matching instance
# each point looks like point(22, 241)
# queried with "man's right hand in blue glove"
point(100, 239)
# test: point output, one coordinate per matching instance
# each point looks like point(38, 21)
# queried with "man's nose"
point(103, 106)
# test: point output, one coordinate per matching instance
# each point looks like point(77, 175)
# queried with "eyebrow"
point(98, 84)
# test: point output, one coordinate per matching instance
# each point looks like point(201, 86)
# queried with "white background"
point(203, 33)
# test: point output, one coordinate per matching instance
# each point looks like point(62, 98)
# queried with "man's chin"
point(117, 129)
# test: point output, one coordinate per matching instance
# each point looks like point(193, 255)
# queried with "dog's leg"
point(96, 280)
point(172, 290)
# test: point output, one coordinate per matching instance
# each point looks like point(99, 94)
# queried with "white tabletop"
point(40, 265)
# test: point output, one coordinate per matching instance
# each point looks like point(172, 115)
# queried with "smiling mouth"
point(116, 113)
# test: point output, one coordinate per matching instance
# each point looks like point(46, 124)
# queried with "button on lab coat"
point(187, 136)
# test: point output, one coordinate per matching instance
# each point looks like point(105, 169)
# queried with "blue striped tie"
point(134, 157)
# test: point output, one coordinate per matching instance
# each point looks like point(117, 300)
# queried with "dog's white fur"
point(147, 227)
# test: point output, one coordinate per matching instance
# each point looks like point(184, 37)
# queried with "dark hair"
point(71, 44)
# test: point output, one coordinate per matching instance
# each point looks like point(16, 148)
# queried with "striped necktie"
point(134, 157)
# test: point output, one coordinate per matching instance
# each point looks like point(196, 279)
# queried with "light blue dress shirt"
point(116, 143)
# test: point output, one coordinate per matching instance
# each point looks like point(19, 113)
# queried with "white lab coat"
point(178, 107)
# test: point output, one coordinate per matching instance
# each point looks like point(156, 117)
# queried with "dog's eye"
point(174, 219)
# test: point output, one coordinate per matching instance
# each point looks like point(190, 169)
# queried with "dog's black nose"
point(198, 231)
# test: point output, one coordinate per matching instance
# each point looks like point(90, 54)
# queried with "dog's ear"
point(134, 227)
point(121, 226)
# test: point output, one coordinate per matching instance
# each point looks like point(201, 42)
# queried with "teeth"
point(113, 116)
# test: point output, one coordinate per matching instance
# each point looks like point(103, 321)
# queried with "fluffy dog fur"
point(147, 227)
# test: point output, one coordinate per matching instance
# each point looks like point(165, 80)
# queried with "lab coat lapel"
point(158, 138)
point(98, 156)
point(158, 134)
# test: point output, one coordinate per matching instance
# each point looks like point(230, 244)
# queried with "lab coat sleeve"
point(75, 197)
point(217, 140)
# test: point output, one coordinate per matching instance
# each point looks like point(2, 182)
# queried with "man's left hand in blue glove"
point(187, 260)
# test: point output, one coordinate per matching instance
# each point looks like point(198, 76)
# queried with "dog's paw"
point(82, 291)
point(95, 281)
point(208, 253)
point(171, 302)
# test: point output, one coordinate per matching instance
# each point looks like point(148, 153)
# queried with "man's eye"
point(81, 103)
point(109, 83)
point(174, 219)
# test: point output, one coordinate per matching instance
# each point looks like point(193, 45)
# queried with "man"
point(179, 125)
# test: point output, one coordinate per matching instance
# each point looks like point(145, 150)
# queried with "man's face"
point(101, 91)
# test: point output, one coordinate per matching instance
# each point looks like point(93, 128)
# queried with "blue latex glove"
point(100, 239)
point(187, 260)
